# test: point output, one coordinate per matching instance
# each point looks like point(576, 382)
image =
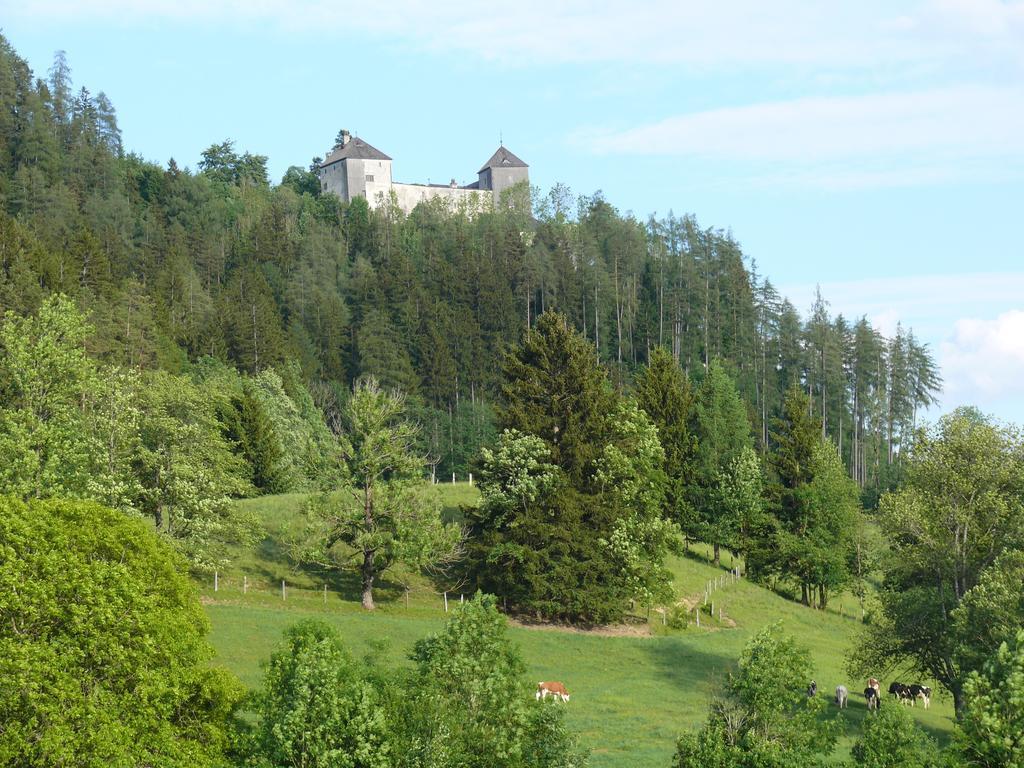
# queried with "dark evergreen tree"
point(663, 391)
point(537, 539)
point(721, 429)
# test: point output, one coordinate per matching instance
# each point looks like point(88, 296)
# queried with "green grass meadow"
point(634, 689)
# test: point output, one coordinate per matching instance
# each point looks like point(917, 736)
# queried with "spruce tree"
point(259, 443)
point(663, 392)
point(720, 425)
point(556, 389)
point(540, 539)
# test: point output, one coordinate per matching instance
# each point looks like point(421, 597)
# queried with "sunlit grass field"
point(634, 689)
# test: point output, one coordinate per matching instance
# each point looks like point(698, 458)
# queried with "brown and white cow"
point(873, 683)
point(545, 689)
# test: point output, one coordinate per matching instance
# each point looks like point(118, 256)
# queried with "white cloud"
point(983, 359)
point(877, 139)
point(700, 33)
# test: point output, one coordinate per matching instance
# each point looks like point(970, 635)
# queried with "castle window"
point(369, 177)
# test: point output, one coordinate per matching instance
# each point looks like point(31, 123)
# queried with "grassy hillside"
point(634, 688)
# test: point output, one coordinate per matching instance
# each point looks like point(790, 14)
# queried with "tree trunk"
point(718, 552)
point(368, 575)
point(804, 595)
point(958, 700)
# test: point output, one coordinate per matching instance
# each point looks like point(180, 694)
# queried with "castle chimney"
point(346, 137)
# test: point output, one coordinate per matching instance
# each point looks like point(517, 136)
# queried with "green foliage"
point(816, 506)
point(721, 430)
point(765, 719)
point(632, 483)
point(471, 704)
point(46, 382)
point(102, 645)
point(315, 709)
point(992, 723)
point(221, 163)
point(555, 388)
point(187, 470)
point(892, 739)
point(309, 453)
point(259, 445)
point(384, 513)
point(991, 611)
point(571, 525)
point(740, 502)
point(663, 391)
point(959, 509)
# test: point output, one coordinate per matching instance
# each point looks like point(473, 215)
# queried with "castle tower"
point(502, 171)
point(355, 169)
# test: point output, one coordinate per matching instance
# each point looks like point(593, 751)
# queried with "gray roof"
point(503, 159)
point(356, 149)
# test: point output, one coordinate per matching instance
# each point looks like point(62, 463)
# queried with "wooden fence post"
point(698, 617)
point(446, 602)
point(245, 585)
point(284, 593)
point(325, 594)
point(216, 581)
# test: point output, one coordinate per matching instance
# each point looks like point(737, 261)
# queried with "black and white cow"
point(812, 690)
point(896, 690)
point(922, 692)
point(872, 698)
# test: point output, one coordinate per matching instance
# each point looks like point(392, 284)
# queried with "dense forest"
point(175, 265)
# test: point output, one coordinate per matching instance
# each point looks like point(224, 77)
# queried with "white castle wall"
point(408, 196)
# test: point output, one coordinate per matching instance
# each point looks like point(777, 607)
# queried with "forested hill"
point(174, 266)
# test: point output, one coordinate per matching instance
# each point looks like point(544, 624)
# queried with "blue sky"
point(876, 148)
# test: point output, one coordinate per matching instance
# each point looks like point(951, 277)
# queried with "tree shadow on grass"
point(688, 667)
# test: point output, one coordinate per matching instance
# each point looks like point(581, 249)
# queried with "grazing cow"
point(922, 692)
point(872, 698)
point(552, 689)
point(902, 693)
point(841, 694)
point(812, 690)
point(873, 683)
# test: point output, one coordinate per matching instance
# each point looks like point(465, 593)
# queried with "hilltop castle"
point(355, 169)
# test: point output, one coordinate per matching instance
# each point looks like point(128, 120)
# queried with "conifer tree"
point(556, 389)
point(663, 391)
point(721, 429)
point(259, 443)
point(560, 533)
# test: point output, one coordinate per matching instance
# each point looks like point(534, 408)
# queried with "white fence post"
point(284, 593)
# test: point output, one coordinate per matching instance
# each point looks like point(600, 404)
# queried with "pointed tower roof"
point(356, 149)
point(503, 159)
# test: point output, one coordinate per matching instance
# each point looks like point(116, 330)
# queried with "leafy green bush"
point(315, 709)
point(103, 654)
point(893, 740)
